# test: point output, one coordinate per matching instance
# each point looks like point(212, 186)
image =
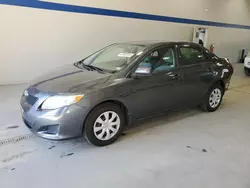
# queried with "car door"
point(196, 72)
point(162, 89)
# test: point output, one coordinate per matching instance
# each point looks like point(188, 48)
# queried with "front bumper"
point(62, 123)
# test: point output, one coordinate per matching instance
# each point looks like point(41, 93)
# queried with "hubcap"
point(215, 98)
point(107, 125)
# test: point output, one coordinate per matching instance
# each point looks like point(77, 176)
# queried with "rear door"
point(195, 68)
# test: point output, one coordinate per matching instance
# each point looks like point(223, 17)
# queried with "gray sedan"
point(101, 94)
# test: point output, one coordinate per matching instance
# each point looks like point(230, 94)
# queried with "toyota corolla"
point(119, 84)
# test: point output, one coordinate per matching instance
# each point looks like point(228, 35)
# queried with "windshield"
point(115, 57)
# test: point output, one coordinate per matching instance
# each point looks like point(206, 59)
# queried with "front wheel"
point(104, 124)
point(247, 71)
point(213, 98)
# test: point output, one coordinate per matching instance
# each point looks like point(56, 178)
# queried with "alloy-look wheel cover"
point(107, 125)
point(215, 98)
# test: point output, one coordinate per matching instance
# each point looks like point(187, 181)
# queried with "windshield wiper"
point(95, 68)
point(91, 67)
point(80, 66)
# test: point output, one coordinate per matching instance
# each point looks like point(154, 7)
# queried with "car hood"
point(69, 79)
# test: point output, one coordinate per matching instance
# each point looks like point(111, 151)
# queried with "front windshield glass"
point(115, 57)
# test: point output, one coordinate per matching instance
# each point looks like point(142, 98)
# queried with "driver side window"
point(160, 60)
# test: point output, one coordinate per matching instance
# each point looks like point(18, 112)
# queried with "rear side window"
point(191, 55)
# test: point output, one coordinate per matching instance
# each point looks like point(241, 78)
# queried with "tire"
point(211, 103)
point(104, 119)
point(247, 71)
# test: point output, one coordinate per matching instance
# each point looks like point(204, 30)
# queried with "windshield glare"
point(114, 58)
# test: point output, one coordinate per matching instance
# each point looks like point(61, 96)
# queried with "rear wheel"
point(104, 124)
point(213, 98)
point(247, 71)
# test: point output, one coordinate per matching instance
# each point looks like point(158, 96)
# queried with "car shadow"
point(164, 119)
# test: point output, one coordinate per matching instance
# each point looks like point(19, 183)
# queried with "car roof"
point(152, 43)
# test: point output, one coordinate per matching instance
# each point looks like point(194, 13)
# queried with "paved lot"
point(188, 148)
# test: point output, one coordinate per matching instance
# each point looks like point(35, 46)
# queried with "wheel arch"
point(112, 101)
point(219, 82)
point(222, 84)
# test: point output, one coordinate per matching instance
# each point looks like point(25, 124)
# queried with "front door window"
point(160, 60)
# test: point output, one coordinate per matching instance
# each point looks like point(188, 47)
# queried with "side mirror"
point(142, 71)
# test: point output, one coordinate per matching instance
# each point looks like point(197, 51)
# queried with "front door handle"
point(175, 76)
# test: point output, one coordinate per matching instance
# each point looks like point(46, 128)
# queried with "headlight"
point(60, 101)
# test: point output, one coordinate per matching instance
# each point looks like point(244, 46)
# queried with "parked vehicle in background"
point(247, 64)
point(101, 94)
